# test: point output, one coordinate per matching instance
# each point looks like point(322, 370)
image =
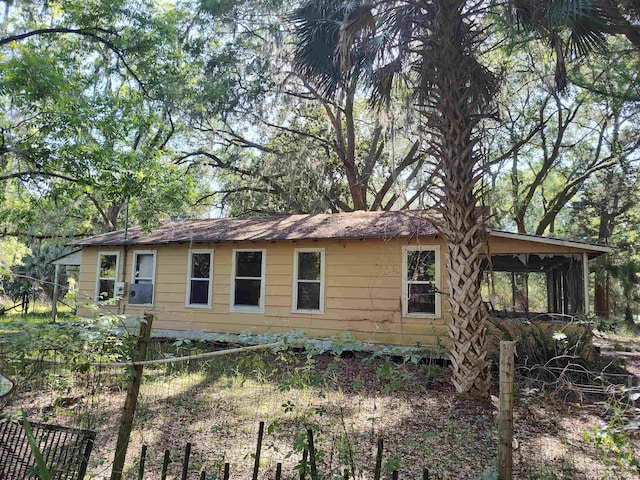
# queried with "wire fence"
point(216, 397)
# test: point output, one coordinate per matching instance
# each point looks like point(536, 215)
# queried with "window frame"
point(98, 277)
point(153, 277)
point(406, 281)
point(210, 279)
point(294, 293)
point(263, 277)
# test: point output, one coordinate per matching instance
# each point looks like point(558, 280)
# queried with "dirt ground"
point(621, 347)
point(350, 403)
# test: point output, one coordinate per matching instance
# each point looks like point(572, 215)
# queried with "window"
point(308, 280)
point(108, 264)
point(421, 281)
point(200, 278)
point(142, 277)
point(247, 292)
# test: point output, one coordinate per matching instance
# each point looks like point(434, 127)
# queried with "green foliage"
point(12, 253)
point(615, 440)
point(43, 471)
point(73, 341)
point(96, 127)
point(32, 277)
point(393, 376)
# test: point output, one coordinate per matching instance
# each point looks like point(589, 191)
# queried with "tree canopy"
point(522, 113)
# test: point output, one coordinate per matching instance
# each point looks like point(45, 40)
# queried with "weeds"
point(561, 469)
point(43, 471)
point(349, 403)
point(392, 376)
point(614, 439)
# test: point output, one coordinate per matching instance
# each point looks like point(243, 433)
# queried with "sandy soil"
point(349, 402)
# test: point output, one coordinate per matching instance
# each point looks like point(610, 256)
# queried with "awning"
point(73, 258)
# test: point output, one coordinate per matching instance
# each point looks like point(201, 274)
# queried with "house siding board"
point(363, 287)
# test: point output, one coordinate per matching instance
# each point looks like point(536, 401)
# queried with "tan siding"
point(359, 292)
point(87, 278)
point(363, 285)
point(278, 280)
point(363, 273)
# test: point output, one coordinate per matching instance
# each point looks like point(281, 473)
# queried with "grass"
point(216, 405)
point(37, 312)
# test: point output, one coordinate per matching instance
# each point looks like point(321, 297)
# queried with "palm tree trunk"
point(452, 117)
point(467, 328)
point(463, 227)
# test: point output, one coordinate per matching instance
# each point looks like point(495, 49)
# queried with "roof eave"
point(114, 243)
point(592, 247)
point(60, 260)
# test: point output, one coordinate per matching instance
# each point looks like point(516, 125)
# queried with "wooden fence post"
point(312, 455)
point(256, 463)
point(143, 459)
point(126, 421)
point(54, 298)
point(505, 414)
point(165, 464)
point(378, 469)
point(185, 463)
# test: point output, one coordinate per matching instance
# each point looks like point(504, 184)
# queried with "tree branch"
point(38, 173)
point(92, 33)
point(408, 160)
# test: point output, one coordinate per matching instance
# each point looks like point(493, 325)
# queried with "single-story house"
point(379, 275)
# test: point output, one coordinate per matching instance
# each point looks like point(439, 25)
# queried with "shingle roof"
point(415, 223)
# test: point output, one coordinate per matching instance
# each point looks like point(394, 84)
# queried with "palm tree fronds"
point(317, 26)
point(358, 24)
point(383, 81)
point(336, 43)
point(573, 27)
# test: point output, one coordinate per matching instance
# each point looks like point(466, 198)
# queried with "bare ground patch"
point(349, 402)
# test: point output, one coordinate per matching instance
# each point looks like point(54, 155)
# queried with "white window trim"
point(294, 294)
point(153, 277)
point(405, 280)
point(263, 278)
point(98, 278)
point(210, 296)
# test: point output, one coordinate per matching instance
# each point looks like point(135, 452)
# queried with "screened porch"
point(536, 286)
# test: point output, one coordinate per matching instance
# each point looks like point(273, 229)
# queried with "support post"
point(505, 414)
point(549, 291)
point(54, 300)
point(126, 421)
point(585, 279)
point(564, 294)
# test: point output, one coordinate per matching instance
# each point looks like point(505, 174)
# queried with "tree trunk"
point(344, 146)
point(452, 117)
point(601, 301)
point(353, 176)
point(602, 265)
point(628, 314)
point(467, 328)
point(355, 188)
